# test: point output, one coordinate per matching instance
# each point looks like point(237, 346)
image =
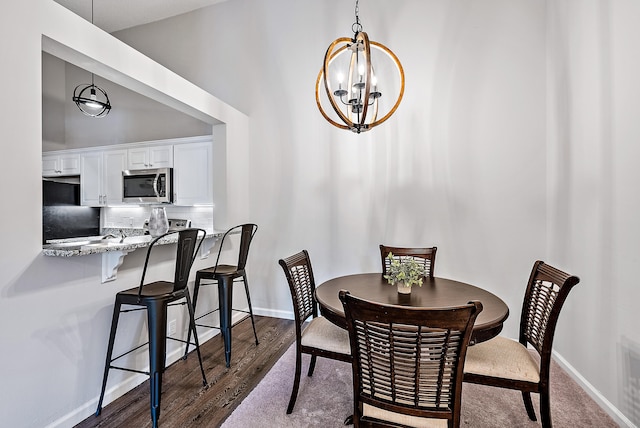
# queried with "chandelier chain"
point(357, 26)
point(92, 80)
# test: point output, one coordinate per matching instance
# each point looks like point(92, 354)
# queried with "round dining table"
point(434, 292)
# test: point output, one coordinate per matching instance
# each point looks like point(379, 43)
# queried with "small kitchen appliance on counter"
point(174, 225)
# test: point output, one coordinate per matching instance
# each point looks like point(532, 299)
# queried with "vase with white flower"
point(404, 272)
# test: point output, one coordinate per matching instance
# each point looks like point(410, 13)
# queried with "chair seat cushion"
point(398, 418)
point(323, 334)
point(502, 358)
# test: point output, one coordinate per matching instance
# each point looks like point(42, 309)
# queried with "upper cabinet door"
point(161, 156)
point(151, 157)
point(50, 166)
point(101, 177)
point(138, 158)
point(58, 165)
point(91, 179)
point(193, 174)
point(113, 163)
point(70, 164)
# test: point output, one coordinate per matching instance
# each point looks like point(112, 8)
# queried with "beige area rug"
point(325, 400)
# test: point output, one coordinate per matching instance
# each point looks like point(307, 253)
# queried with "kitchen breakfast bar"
point(113, 249)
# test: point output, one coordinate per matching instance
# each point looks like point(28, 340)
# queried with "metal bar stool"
point(225, 276)
point(155, 297)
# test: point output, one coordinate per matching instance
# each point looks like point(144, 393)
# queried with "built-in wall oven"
point(148, 186)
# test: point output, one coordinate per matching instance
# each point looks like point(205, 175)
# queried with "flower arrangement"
point(407, 271)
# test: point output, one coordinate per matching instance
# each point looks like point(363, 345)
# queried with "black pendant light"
point(92, 100)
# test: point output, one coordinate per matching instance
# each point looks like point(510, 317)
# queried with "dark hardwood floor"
point(185, 402)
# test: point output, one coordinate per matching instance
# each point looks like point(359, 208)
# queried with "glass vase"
point(158, 222)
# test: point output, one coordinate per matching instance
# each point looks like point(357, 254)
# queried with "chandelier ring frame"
point(330, 55)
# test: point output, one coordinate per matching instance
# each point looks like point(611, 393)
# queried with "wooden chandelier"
point(356, 106)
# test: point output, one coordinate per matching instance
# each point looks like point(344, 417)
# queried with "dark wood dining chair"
point(507, 363)
point(407, 362)
point(225, 276)
point(425, 256)
point(155, 297)
point(319, 337)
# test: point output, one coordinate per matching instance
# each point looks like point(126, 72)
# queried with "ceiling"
point(114, 15)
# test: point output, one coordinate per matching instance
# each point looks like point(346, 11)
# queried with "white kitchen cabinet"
point(60, 165)
point(193, 174)
point(91, 173)
point(151, 157)
point(101, 177)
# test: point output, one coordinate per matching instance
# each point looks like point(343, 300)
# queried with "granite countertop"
point(134, 239)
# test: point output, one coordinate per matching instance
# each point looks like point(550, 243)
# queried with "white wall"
point(24, 334)
point(54, 99)
point(475, 90)
point(496, 155)
point(594, 97)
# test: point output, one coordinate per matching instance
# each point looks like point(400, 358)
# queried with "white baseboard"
point(605, 404)
point(266, 312)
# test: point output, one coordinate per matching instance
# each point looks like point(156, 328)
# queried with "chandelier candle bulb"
point(93, 103)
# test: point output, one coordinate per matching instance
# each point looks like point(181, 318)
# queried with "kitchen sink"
point(77, 243)
point(70, 244)
point(103, 244)
point(115, 242)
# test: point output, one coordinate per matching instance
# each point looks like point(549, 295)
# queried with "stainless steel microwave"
point(148, 186)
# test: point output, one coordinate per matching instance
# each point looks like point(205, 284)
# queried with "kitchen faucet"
point(111, 235)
